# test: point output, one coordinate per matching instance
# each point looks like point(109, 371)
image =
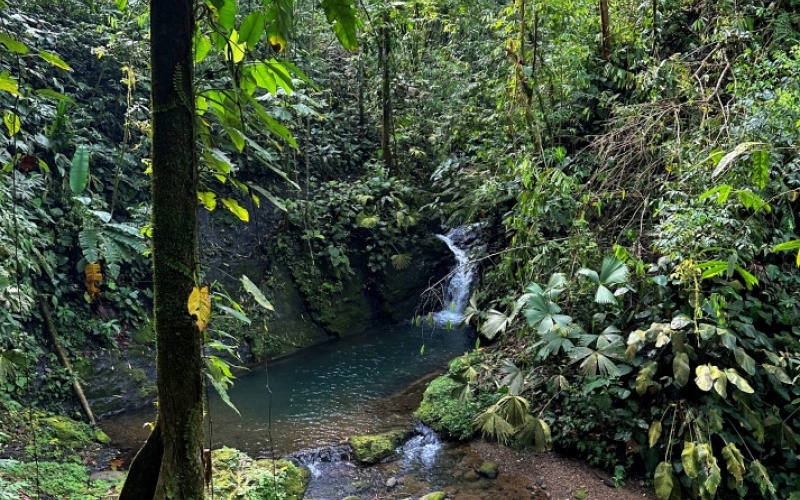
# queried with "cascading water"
point(456, 295)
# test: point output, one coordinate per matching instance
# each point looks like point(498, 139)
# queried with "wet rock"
point(436, 495)
point(108, 475)
point(371, 449)
point(471, 475)
point(488, 470)
point(391, 482)
point(351, 498)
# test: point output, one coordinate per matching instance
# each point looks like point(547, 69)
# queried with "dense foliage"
point(636, 177)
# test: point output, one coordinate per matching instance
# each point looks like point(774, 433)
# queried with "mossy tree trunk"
point(179, 431)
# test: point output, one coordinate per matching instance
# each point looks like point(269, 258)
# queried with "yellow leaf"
point(208, 199)
point(277, 42)
point(237, 209)
point(93, 277)
point(234, 50)
point(199, 306)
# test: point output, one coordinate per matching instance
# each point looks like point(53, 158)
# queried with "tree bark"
point(605, 30)
point(174, 205)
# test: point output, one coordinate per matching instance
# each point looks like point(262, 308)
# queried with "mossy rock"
point(68, 432)
point(371, 449)
point(264, 478)
point(488, 470)
point(436, 495)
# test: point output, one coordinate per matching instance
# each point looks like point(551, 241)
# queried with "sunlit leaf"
point(208, 199)
point(12, 122)
point(54, 60)
point(662, 480)
point(734, 461)
point(341, 14)
point(256, 293)
point(236, 209)
point(13, 45)
point(654, 433)
point(199, 306)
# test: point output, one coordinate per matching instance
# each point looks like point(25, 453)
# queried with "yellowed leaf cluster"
point(93, 277)
point(199, 306)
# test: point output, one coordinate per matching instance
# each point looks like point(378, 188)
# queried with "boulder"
point(264, 478)
point(371, 449)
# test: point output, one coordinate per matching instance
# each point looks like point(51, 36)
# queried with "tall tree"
point(170, 463)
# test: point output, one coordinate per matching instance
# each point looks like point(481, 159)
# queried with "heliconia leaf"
point(680, 368)
point(54, 60)
point(253, 290)
point(236, 209)
point(79, 171)
point(654, 433)
point(735, 462)
point(689, 460)
point(729, 158)
point(760, 159)
point(341, 14)
point(13, 44)
point(199, 306)
point(663, 481)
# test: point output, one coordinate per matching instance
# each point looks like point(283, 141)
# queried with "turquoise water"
point(320, 396)
point(328, 392)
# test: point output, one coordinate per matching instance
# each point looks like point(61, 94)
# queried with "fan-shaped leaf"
point(492, 424)
point(604, 296)
point(542, 436)
point(401, 260)
point(496, 322)
point(513, 409)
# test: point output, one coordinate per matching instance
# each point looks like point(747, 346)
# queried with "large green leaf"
point(735, 461)
point(680, 368)
point(689, 460)
point(8, 83)
point(342, 16)
point(613, 271)
point(54, 60)
point(13, 44)
point(663, 481)
point(253, 290)
point(252, 28)
point(79, 171)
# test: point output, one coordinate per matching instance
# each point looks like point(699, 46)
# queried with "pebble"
point(391, 482)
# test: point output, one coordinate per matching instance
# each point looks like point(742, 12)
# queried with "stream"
point(307, 404)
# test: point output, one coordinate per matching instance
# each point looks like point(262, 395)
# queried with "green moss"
point(444, 413)
point(436, 495)
point(68, 432)
point(57, 480)
point(488, 470)
point(236, 475)
point(371, 449)
point(101, 437)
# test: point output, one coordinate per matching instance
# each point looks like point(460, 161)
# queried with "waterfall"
point(456, 294)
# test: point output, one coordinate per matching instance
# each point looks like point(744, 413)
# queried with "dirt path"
point(551, 476)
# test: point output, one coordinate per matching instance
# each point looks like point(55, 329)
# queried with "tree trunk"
point(174, 198)
point(386, 122)
point(605, 30)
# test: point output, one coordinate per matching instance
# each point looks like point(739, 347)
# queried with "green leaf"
point(744, 361)
point(710, 468)
point(723, 191)
point(762, 477)
point(760, 159)
point(645, 377)
point(271, 197)
point(13, 44)
point(680, 368)
point(202, 46)
point(734, 461)
point(786, 246)
point(613, 271)
point(490, 423)
point(654, 433)
point(12, 122)
point(752, 201)
point(253, 290)
point(8, 83)
point(239, 315)
point(663, 481)
point(604, 296)
point(252, 28)
point(401, 260)
point(712, 268)
point(341, 14)
point(271, 124)
point(236, 209)
point(208, 199)
point(749, 280)
point(739, 381)
point(496, 322)
point(513, 409)
point(79, 171)
point(689, 460)
point(778, 373)
point(703, 379)
point(227, 14)
point(54, 60)
point(58, 96)
point(222, 390)
point(542, 435)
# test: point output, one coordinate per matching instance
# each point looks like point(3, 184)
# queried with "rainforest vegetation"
point(222, 181)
